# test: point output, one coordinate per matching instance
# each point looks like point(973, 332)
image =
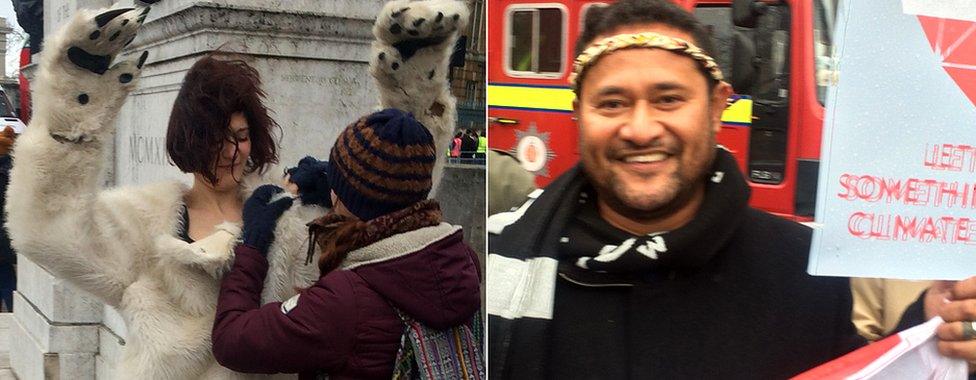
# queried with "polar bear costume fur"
point(120, 244)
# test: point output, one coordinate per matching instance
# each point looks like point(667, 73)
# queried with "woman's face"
point(234, 153)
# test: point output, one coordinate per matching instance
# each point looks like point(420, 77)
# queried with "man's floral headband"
point(640, 40)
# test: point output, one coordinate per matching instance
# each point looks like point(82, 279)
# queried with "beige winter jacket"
point(879, 304)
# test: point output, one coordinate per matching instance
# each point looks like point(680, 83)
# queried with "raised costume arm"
point(57, 216)
point(410, 63)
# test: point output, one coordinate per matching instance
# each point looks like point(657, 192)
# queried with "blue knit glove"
point(260, 217)
point(313, 183)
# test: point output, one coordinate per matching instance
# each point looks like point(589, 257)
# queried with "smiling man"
point(648, 120)
point(645, 261)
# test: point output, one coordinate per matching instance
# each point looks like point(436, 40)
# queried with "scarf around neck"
point(521, 316)
point(594, 252)
point(337, 235)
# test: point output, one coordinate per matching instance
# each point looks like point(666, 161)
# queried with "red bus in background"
point(775, 53)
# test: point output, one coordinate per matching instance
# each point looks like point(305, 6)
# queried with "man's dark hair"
point(217, 86)
point(604, 20)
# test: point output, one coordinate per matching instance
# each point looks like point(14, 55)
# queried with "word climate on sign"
point(948, 197)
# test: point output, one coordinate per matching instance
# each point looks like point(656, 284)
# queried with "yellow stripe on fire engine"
point(541, 98)
point(739, 112)
point(561, 99)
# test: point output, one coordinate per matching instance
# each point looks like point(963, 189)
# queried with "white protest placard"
point(897, 186)
point(909, 354)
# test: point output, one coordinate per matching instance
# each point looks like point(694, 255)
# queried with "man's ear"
point(720, 96)
point(576, 111)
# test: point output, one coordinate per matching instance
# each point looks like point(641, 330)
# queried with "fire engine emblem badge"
point(532, 150)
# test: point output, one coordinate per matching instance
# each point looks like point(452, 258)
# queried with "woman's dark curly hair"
point(216, 87)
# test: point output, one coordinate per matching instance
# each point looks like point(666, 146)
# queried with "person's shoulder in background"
point(879, 304)
point(508, 182)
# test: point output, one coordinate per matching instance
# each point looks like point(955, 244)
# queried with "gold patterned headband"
point(640, 40)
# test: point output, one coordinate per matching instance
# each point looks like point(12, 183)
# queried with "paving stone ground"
point(5, 372)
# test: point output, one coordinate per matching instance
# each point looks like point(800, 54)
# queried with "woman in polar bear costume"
point(122, 245)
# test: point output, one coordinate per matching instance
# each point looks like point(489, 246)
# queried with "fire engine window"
point(768, 136)
point(536, 41)
point(550, 38)
point(824, 14)
point(718, 20)
point(521, 42)
point(772, 45)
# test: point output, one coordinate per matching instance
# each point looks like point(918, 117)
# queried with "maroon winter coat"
point(344, 324)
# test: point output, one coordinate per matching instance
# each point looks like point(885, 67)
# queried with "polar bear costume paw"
point(410, 62)
point(82, 88)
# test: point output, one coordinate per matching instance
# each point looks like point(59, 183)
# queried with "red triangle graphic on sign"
point(955, 43)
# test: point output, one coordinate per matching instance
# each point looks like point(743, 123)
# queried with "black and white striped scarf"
point(532, 245)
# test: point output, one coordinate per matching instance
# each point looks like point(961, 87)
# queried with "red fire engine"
point(775, 53)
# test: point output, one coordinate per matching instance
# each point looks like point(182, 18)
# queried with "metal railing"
point(468, 157)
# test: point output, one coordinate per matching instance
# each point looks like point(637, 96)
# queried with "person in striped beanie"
point(384, 253)
point(382, 163)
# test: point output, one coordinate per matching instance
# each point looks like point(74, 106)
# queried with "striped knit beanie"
point(382, 163)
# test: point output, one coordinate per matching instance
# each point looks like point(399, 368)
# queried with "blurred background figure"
point(879, 304)
point(456, 145)
point(482, 145)
point(8, 260)
point(510, 183)
point(469, 144)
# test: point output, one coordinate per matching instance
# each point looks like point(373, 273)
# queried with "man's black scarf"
point(542, 232)
point(594, 252)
